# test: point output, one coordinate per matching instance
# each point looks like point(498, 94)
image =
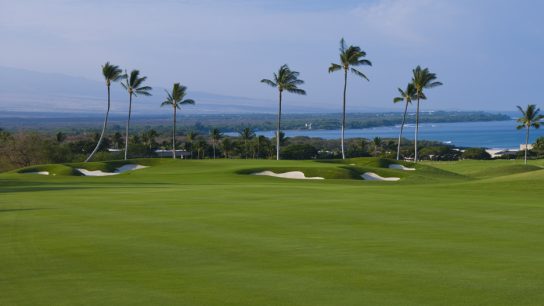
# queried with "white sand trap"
point(39, 172)
point(122, 169)
point(297, 175)
point(401, 167)
point(129, 167)
point(86, 172)
point(371, 176)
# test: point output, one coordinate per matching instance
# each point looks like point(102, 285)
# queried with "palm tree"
point(148, 138)
point(407, 96)
point(530, 118)
point(287, 80)
point(246, 134)
point(215, 135)
point(60, 136)
point(191, 137)
point(133, 85)
point(421, 79)
point(349, 56)
point(201, 146)
point(117, 139)
point(227, 146)
point(111, 74)
point(378, 142)
point(175, 99)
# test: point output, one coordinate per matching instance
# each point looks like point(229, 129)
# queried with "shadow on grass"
point(20, 209)
point(17, 186)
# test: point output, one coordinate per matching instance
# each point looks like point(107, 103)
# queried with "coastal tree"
point(246, 134)
point(215, 135)
point(176, 100)
point(228, 146)
point(406, 96)
point(531, 117)
point(111, 73)
point(148, 138)
point(421, 79)
point(285, 79)
point(190, 140)
point(350, 56)
point(133, 84)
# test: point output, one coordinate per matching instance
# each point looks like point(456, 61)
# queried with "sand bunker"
point(129, 167)
point(122, 169)
point(86, 172)
point(401, 167)
point(297, 175)
point(371, 176)
point(39, 172)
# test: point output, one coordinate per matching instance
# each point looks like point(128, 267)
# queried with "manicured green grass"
point(207, 233)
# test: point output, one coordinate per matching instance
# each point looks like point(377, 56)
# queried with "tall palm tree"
point(421, 79)
point(287, 80)
point(111, 74)
point(349, 56)
point(133, 85)
point(530, 118)
point(407, 96)
point(175, 99)
point(215, 136)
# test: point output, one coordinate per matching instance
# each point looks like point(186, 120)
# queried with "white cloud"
point(407, 21)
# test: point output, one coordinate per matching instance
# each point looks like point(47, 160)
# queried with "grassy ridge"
point(206, 233)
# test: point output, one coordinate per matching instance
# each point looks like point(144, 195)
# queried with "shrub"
point(303, 151)
point(439, 153)
point(476, 153)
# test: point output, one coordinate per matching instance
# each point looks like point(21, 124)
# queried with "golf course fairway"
point(207, 232)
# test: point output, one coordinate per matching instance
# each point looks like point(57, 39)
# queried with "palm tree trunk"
point(103, 129)
point(344, 113)
point(527, 143)
point(417, 131)
point(401, 128)
point(128, 124)
point(174, 136)
point(278, 131)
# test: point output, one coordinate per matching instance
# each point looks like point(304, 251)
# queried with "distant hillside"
point(30, 91)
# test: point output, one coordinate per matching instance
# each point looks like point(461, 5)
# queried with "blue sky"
point(489, 54)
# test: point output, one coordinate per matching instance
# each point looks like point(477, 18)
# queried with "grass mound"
point(70, 169)
point(505, 170)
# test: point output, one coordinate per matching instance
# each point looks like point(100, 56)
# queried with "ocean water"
point(491, 134)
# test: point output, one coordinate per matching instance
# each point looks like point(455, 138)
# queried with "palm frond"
point(143, 93)
point(188, 101)
point(342, 45)
point(334, 67)
point(269, 82)
point(362, 62)
point(296, 91)
point(434, 84)
point(359, 73)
